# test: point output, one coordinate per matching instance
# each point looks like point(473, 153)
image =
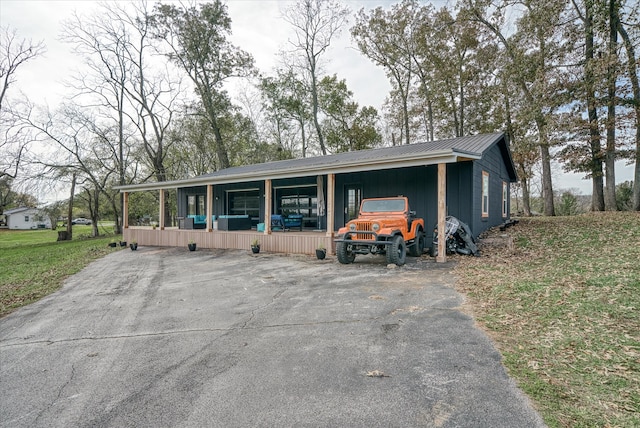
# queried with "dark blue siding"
point(493, 163)
point(419, 184)
point(416, 183)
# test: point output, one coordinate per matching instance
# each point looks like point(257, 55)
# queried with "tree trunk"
point(526, 197)
point(547, 186)
point(314, 101)
point(117, 228)
point(545, 160)
point(430, 109)
point(304, 139)
point(207, 101)
point(405, 113)
point(70, 208)
point(454, 111)
point(461, 95)
point(610, 154)
point(221, 151)
point(633, 76)
point(94, 212)
point(545, 157)
point(597, 195)
point(636, 183)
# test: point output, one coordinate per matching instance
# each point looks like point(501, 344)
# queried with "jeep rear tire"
point(417, 248)
point(345, 256)
point(397, 251)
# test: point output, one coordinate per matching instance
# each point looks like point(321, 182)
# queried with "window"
point(196, 205)
point(303, 204)
point(298, 200)
point(26, 219)
point(387, 205)
point(191, 204)
point(353, 199)
point(485, 194)
point(505, 199)
point(244, 202)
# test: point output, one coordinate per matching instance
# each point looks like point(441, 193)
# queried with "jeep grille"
point(364, 226)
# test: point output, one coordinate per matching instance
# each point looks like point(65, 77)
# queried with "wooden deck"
point(289, 242)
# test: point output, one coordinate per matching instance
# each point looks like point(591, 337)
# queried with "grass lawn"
point(562, 304)
point(33, 264)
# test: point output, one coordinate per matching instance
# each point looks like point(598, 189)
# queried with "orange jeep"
point(384, 226)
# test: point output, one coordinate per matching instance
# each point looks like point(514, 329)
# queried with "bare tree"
point(14, 52)
point(118, 46)
point(125, 86)
point(102, 44)
point(75, 148)
point(315, 23)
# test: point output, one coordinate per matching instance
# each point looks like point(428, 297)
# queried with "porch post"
point(125, 210)
point(268, 202)
point(209, 209)
point(331, 193)
point(442, 212)
point(161, 216)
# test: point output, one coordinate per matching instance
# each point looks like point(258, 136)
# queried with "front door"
point(353, 197)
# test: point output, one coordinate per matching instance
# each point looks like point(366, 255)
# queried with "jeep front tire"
point(397, 251)
point(345, 256)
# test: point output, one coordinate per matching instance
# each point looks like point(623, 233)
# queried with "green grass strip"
point(33, 264)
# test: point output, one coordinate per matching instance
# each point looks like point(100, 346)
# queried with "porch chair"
point(277, 222)
point(294, 220)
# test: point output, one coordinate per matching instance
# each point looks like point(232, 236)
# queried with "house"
point(25, 218)
point(467, 177)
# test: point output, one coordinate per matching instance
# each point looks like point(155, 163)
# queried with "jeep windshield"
point(383, 205)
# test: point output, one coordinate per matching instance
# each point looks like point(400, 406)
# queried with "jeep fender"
point(389, 237)
point(418, 223)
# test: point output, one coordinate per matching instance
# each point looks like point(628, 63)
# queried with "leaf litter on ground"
point(560, 296)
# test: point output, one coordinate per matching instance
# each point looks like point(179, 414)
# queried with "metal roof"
point(18, 210)
point(418, 154)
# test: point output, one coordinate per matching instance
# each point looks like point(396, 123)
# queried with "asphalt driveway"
point(163, 337)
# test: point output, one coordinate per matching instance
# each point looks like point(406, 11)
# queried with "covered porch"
point(291, 242)
point(214, 201)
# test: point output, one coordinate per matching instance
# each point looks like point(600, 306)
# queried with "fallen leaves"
point(560, 297)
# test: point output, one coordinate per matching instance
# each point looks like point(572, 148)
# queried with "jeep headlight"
point(375, 227)
point(352, 227)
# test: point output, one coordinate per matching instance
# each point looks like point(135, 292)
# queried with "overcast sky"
point(257, 27)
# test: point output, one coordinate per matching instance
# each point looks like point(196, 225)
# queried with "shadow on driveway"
point(163, 337)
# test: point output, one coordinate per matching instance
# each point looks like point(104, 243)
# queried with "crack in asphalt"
point(186, 331)
point(261, 307)
point(55, 400)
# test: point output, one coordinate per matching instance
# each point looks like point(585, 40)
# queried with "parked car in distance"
point(81, 220)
